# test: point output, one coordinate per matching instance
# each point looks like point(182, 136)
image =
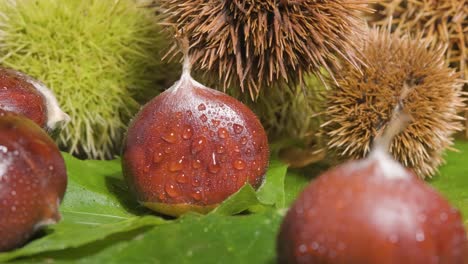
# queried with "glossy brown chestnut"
point(21, 94)
point(371, 211)
point(32, 180)
point(192, 147)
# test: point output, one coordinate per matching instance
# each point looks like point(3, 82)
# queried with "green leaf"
point(68, 234)
point(238, 202)
point(192, 239)
point(452, 181)
point(272, 190)
point(97, 187)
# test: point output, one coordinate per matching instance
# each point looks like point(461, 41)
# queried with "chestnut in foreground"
point(22, 94)
point(191, 147)
point(371, 211)
point(32, 180)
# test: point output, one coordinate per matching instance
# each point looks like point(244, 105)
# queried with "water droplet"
point(201, 107)
point(203, 118)
point(170, 137)
point(13, 208)
point(187, 134)
point(171, 190)
point(393, 238)
point(220, 149)
point(236, 149)
point(215, 122)
point(420, 236)
point(238, 128)
point(179, 115)
point(315, 245)
point(177, 165)
point(168, 149)
point(181, 178)
point(443, 217)
point(212, 134)
point(223, 133)
point(196, 182)
point(302, 248)
point(196, 164)
point(248, 152)
point(51, 168)
point(162, 196)
point(158, 157)
point(13, 193)
point(198, 144)
point(214, 168)
point(205, 129)
point(189, 113)
point(239, 164)
point(197, 195)
point(244, 140)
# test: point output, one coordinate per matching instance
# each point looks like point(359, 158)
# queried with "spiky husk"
point(362, 103)
point(254, 44)
point(446, 21)
point(98, 56)
point(292, 119)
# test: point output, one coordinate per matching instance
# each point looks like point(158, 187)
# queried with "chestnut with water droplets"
point(371, 211)
point(22, 94)
point(32, 180)
point(191, 147)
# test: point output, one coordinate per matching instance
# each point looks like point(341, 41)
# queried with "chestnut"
point(24, 95)
point(32, 180)
point(191, 147)
point(372, 210)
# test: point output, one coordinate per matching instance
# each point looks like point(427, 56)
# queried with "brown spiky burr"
point(401, 71)
point(253, 44)
point(444, 20)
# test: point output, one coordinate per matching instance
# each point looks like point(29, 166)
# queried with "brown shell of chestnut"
point(191, 147)
point(33, 180)
point(24, 95)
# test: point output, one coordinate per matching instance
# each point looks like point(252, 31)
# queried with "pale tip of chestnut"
point(56, 117)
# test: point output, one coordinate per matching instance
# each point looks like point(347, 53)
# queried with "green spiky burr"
point(100, 57)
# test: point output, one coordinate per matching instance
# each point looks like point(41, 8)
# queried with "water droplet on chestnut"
point(171, 190)
point(188, 132)
point(239, 164)
point(196, 164)
point(181, 178)
point(203, 118)
point(223, 133)
point(238, 128)
point(158, 157)
point(201, 107)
